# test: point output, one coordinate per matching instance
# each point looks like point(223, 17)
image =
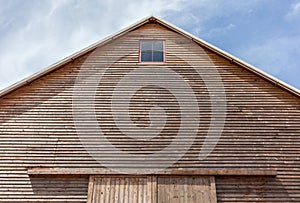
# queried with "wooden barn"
point(150, 114)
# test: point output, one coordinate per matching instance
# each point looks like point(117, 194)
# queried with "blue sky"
point(37, 33)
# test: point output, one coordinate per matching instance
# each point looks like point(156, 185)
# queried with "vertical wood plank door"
point(186, 189)
point(152, 189)
point(121, 189)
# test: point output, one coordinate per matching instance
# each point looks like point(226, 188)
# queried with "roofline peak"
point(170, 26)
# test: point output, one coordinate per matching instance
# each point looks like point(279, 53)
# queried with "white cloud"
point(52, 30)
point(34, 35)
point(294, 11)
point(198, 12)
point(220, 30)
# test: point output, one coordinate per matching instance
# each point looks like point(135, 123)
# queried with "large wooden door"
point(152, 189)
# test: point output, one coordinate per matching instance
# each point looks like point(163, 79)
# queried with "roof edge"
point(275, 81)
point(64, 61)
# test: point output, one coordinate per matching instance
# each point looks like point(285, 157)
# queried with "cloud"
point(197, 13)
point(36, 34)
point(255, 31)
point(220, 30)
point(294, 11)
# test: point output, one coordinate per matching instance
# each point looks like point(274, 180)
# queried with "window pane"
point(152, 51)
point(158, 46)
point(158, 56)
point(146, 56)
point(146, 45)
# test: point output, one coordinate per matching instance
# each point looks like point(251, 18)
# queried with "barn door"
point(151, 189)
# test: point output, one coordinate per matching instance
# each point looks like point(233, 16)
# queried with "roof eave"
point(203, 43)
point(72, 57)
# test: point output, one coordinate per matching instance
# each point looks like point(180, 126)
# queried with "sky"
point(34, 34)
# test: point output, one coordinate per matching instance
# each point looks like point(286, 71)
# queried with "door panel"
point(186, 189)
point(152, 189)
point(121, 189)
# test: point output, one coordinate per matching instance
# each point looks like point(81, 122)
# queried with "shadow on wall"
point(229, 189)
point(251, 189)
point(60, 188)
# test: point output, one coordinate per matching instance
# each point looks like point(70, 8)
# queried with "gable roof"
point(231, 58)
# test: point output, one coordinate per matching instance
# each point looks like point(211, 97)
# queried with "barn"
point(150, 114)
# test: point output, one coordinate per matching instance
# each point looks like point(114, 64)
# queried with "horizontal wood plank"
point(211, 172)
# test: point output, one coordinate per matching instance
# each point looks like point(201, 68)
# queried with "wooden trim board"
point(211, 172)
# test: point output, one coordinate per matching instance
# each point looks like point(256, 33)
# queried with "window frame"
point(152, 62)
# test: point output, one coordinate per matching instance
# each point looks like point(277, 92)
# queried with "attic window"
point(152, 51)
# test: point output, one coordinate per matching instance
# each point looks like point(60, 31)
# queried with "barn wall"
point(258, 189)
point(262, 126)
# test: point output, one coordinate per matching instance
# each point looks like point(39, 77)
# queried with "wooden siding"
point(283, 188)
point(16, 186)
point(261, 131)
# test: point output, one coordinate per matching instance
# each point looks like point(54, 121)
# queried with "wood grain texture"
point(211, 172)
point(186, 189)
point(261, 131)
point(120, 189)
point(150, 189)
